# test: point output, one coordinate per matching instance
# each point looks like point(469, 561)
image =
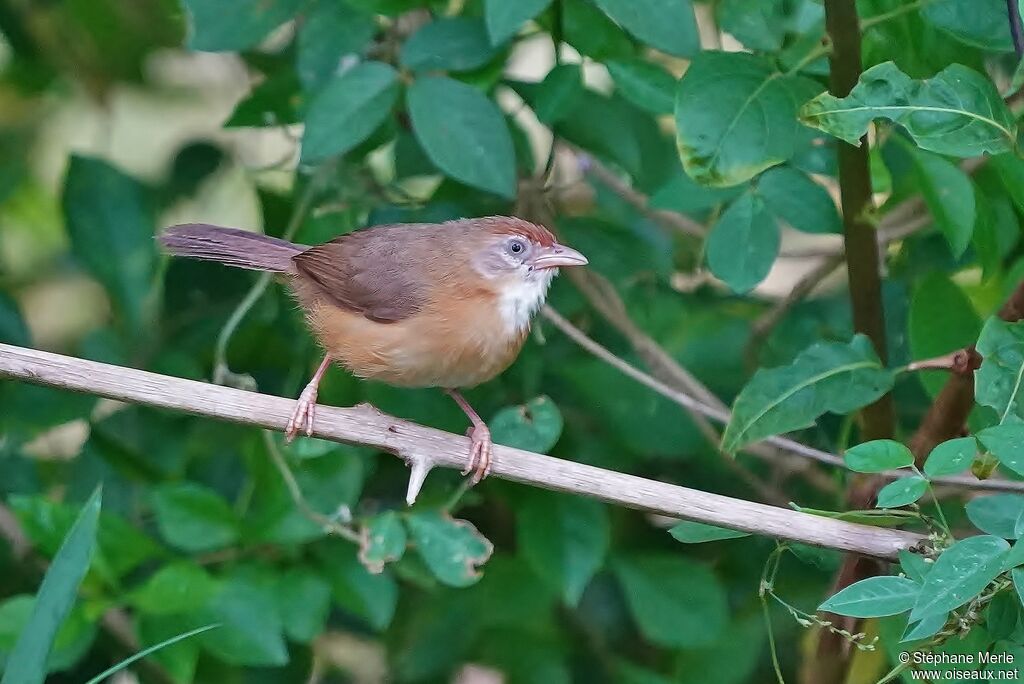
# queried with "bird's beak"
point(558, 255)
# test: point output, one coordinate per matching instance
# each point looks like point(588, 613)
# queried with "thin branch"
point(785, 445)
point(1013, 15)
point(366, 425)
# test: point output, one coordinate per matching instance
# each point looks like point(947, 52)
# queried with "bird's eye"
point(517, 246)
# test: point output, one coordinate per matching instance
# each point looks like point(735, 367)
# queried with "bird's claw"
point(302, 416)
point(480, 449)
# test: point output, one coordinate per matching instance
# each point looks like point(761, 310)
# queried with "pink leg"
point(479, 462)
point(305, 407)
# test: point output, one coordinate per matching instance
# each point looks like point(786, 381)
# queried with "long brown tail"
point(229, 246)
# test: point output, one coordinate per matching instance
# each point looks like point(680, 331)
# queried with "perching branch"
point(425, 448)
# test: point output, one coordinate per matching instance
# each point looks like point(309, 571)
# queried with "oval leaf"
point(874, 597)
point(330, 31)
point(1006, 444)
point(743, 244)
point(950, 197)
point(382, 541)
point(878, 455)
point(903, 491)
point(996, 514)
point(504, 18)
point(464, 133)
point(646, 85)
point(564, 539)
point(348, 109)
point(193, 518)
point(958, 112)
point(452, 549)
point(949, 458)
point(668, 25)
point(534, 426)
point(980, 23)
point(792, 196)
point(998, 382)
point(752, 126)
point(212, 29)
point(828, 376)
point(689, 532)
point(675, 602)
point(451, 44)
point(558, 93)
point(959, 574)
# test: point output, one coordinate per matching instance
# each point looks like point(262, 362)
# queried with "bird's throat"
point(520, 298)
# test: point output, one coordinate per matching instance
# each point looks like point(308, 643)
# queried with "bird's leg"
point(305, 408)
point(479, 462)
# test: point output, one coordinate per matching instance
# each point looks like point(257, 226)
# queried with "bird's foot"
point(480, 449)
point(302, 416)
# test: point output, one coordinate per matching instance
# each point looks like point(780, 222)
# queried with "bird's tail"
point(229, 246)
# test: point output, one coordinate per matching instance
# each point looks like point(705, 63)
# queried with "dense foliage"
point(694, 162)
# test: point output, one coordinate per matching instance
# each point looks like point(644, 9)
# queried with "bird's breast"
point(459, 340)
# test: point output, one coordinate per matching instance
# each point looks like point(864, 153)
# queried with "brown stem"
point(828, 664)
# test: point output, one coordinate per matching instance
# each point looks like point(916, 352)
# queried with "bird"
point(445, 305)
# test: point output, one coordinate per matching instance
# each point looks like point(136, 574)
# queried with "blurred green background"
point(314, 118)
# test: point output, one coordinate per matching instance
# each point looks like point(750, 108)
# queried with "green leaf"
point(874, 597)
point(212, 29)
point(304, 599)
point(331, 30)
point(564, 538)
point(382, 541)
point(110, 222)
point(683, 195)
point(558, 93)
point(1017, 574)
point(588, 30)
point(505, 17)
point(179, 659)
point(372, 597)
point(979, 23)
point(914, 565)
point(668, 25)
point(676, 602)
point(826, 377)
point(448, 44)
point(646, 85)
point(903, 491)
point(271, 103)
point(193, 518)
point(942, 318)
point(452, 549)
point(928, 626)
point(1006, 443)
point(952, 457)
point(534, 426)
point(996, 514)
point(348, 109)
point(794, 197)
point(180, 587)
point(1002, 615)
point(752, 126)
point(245, 606)
point(950, 198)
point(998, 381)
point(464, 133)
point(958, 112)
point(743, 244)
point(689, 532)
point(959, 574)
point(758, 24)
point(1015, 556)
point(57, 593)
point(878, 455)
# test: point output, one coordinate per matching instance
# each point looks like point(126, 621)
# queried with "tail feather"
point(229, 246)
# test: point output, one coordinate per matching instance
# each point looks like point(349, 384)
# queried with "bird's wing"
point(376, 272)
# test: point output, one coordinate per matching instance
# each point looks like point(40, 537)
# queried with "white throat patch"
point(521, 299)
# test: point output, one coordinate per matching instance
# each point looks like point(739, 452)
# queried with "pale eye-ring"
point(516, 246)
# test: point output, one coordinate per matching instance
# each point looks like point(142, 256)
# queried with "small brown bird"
point(413, 305)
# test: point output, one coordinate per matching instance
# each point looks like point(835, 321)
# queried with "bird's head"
point(513, 249)
point(519, 259)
